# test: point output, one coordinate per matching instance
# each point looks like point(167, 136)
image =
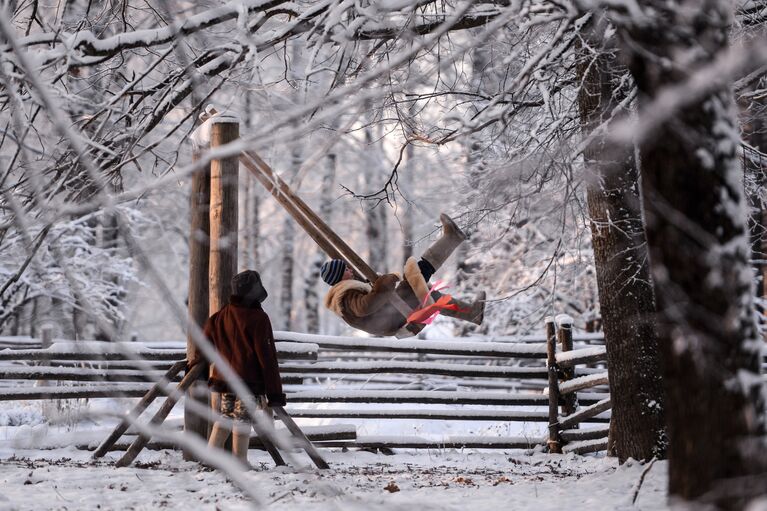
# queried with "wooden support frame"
point(316, 228)
point(142, 405)
point(136, 447)
point(300, 437)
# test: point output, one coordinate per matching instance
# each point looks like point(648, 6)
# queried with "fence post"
point(554, 443)
point(565, 338)
point(49, 408)
point(46, 340)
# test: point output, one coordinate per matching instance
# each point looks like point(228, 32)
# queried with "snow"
point(582, 353)
point(438, 479)
point(582, 382)
point(448, 346)
point(136, 349)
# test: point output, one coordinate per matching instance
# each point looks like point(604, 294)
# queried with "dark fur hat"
point(248, 287)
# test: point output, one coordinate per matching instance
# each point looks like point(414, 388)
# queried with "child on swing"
point(366, 306)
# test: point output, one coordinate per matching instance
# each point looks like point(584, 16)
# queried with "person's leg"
point(241, 438)
point(241, 441)
point(224, 404)
point(473, 312)
point(427, 270)
point(440, 250)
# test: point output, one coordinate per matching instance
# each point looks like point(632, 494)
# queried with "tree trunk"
point(288, 256)
point(199, 293)
point(375, 214)
point(251, 207)
point(692, 193)
point(626, 297)
point(756, 169)
point(311, 297)
point(406, 180)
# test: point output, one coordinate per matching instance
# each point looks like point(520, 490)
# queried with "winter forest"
point(605, 167)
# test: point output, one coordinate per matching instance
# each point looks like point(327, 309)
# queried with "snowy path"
point(433, 480)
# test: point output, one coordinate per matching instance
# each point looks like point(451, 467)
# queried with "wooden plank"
point(423, 397)
point(573, 435)
point(378, 367)
point(74, 392)
point(584, 413)
point(423, 347)
point(300, 437)
point(463, 443)
point(254, 443)
point(82, 374)
point(442, 414)
point(173, 355)
point(142, 405)
point(586, 446)
point(584, 356)
point(57, 354)
point(583, 382)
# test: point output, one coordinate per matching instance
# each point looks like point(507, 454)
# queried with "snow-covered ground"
point(408, 480)
point(63, 477)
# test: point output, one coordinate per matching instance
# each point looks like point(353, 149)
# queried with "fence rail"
point(353, 378)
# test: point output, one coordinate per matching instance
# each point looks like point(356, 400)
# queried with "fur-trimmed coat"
point(367, 308)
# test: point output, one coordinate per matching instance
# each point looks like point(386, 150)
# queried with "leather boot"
point(473, 312)
point(440, 250)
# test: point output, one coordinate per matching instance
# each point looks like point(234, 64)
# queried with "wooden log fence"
point(474, 381)
point(564, 434)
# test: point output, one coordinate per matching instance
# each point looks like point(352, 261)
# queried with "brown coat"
point(366, 307)
point(242, 335)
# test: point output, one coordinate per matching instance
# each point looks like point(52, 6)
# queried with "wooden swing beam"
point(316, 228)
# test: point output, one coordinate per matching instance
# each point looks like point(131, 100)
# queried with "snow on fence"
point(384, 379)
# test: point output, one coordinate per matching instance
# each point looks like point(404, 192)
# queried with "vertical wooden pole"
point(224, 174)
point(199, 248)
point(554, 443)
point(223, 212)
point(565, 338)
point(46, 340)
point(50, 408)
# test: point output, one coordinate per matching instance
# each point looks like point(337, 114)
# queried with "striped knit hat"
point(332, 271)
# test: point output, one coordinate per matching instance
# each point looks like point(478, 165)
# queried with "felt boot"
point(240, 443)
point(218, 436)
point(440, 250)
point(473, 312)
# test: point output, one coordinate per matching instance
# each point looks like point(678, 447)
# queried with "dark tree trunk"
point(755, 164)
point(692, 193)
point(626, 299)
